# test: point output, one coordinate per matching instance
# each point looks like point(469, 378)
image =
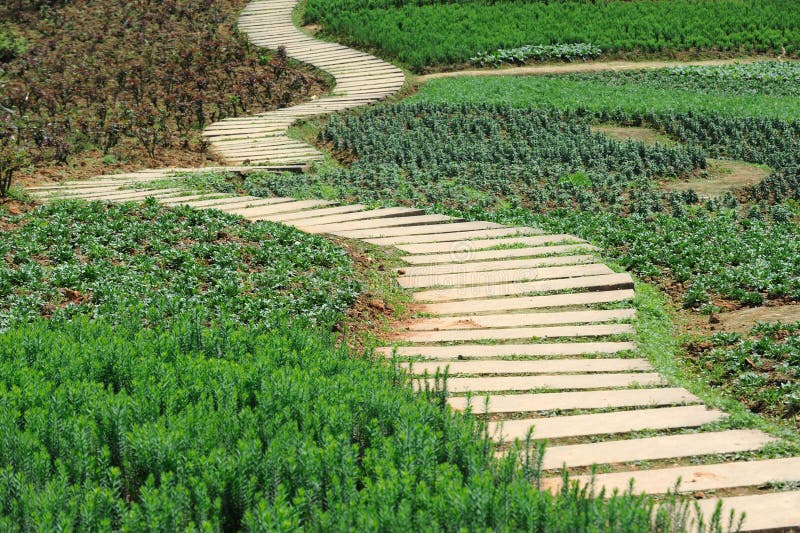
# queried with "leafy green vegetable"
point(146, 264)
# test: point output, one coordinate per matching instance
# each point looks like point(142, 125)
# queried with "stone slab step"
point(454, 236)
point(693, 478)
point(501, 276)
point(56, 188)
point(238, 201)
point(388, 212)
point(778, 511)
point(603, 282)
point(655, 448)
point(375, 222)
point(483, 244)
point(545, 332)
point(526, 302)
point(185, 199)
point(464, 256)
point(550, 382)
point(66, 192)
point(253, 213)
point(606, 423)
point(486, 266)
point(421, 230)
point(514, 320)
point(543, 366)
point(312, 214)
point(132, 195)
point(464, 351)
point(551, 401)
point(203, 200)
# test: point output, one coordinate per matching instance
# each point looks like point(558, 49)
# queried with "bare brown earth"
point(588, 66)
point(724, 176)
point(631, 133)
point(743, 320)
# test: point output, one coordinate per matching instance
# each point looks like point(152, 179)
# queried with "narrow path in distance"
point(579, 67)
point(361, 79)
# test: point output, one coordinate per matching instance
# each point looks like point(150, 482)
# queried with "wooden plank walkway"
point(534, 327)
point(361, 79)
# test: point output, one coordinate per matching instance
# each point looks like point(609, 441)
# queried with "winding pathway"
point(360, 79)
point(537, 321)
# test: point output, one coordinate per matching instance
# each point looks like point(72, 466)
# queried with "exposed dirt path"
point(588, 66)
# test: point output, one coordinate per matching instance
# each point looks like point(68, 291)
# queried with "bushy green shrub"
point(11, 43)
point(548, 52)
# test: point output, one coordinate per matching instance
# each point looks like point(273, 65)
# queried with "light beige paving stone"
point(376, 222)
point(99, 185)
point(417, 230)
point(240, 201)
point(464, 247)
point(654, 448)
point(502, 276)
point(565, 401)
point(387, 212)
point(182, 199)
point(526, 302)
point(453, 236)
point(312, 214)
point(606, 423)
point(604, 282)
point(486, 266)
point(545, 332)
point(778, 511)
point(506, 350)
point(694, 478)
point(132, 195)
point(77, 192)
point(471, 255)
point(551, 381)
point(542, 366)
point(212, 200)
point(255, 212)
point(516, 320)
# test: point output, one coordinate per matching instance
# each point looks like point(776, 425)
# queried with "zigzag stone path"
point(536, 320)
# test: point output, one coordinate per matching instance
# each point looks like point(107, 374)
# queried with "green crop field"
point(432, 33)
point(764, 89)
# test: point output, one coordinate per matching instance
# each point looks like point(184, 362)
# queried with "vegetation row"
point(433, 33)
